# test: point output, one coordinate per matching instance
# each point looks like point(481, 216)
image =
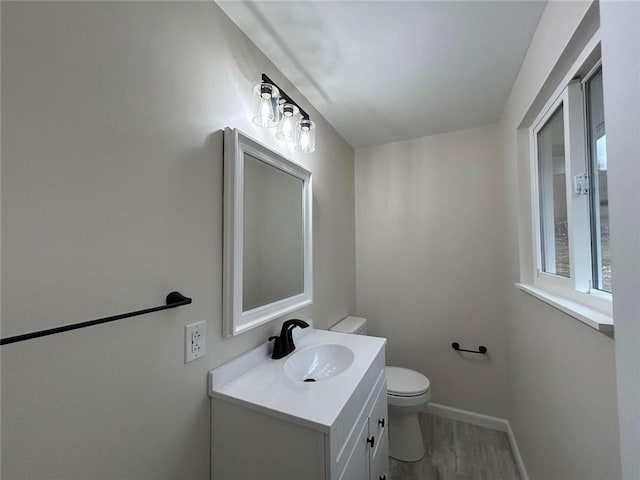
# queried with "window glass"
point(554, 234)
point(601, 251)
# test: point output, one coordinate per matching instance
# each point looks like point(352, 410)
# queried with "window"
point(569, 192)
point(554, 238)
point(601, 250)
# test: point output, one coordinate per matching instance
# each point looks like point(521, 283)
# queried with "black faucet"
point(283, 344)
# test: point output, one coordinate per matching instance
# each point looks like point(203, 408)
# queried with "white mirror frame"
point(235, 320)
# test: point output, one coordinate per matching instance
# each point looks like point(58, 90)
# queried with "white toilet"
point(408, 393)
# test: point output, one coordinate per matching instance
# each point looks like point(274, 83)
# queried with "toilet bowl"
point(408, 393)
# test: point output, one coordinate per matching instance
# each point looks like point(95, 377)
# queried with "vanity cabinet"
point(249, 442)
point(368, 459)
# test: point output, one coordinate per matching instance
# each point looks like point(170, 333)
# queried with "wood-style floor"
point(459, 451)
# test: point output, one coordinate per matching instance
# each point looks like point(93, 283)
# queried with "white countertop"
point(259, 382)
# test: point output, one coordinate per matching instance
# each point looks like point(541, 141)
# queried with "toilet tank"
point(356, 325)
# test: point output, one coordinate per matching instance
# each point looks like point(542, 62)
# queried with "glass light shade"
point(289, 118)
point(266, 111)
point(306, 136)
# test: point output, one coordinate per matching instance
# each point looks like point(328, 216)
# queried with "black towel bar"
point(481, 349)
point(174, 299)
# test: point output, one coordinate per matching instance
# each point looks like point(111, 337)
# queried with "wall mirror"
point(267, 234)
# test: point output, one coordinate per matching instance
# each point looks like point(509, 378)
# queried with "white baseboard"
point(481, 420)
point(516, 453)
point(473, 418)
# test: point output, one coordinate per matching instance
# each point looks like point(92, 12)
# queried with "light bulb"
point(304, 140)
point(306, 136)
point(266, 111)
point(290, 115)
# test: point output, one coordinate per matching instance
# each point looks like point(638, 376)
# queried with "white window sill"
point(588, 316)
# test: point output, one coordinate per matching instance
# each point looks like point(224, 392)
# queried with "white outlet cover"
point(194, 341)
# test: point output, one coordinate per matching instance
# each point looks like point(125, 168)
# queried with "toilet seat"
point(419, 401)
point(402, 382)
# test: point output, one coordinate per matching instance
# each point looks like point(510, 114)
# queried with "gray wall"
point(621, 77)
point(562, 373)
point(430, 261)
point(112, 197)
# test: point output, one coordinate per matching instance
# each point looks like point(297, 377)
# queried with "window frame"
point(596, 244)
point(539, 219)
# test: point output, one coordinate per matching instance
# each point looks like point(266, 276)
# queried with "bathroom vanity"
point(319, 413)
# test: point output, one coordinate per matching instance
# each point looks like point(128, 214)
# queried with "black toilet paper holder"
point(481, 349)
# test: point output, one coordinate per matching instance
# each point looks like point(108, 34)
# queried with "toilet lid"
point(406, 383)
point(349, 325)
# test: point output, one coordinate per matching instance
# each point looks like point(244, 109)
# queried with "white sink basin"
point(318, 362)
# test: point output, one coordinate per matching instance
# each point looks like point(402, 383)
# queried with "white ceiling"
point(383, 71)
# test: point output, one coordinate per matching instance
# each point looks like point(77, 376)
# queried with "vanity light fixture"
point(272, 107)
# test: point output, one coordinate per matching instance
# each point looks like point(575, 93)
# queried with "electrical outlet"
point(194, 341)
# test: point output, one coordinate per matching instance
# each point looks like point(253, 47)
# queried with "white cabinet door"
point(380, 461)
point(357, 467)
point(378, 426)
